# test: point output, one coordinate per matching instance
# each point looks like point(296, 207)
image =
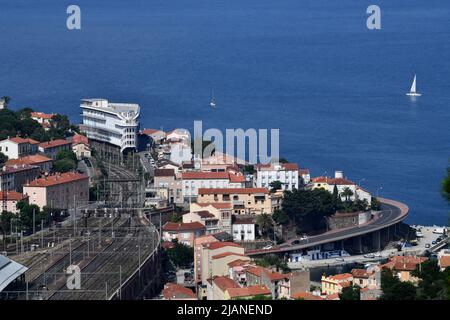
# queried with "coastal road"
point(392, 213)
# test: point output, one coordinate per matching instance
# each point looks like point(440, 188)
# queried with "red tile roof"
point(56, 179)
point(217, 245)
point(151, 131)
point(173, 291)
point(341, 276)
point(444, 261)
point(236, 178)
point(305, 296)
point(204, 214)
point(232, 190)
point(12, 196)
point(17, 168)
point(237, 262)
point(259, 271)
point(30, 160)
point(42, 115)
point(403, 263)
point(20, 140)
point(248, 291)
point(78, 138)
point(360, 273)
point(225, 283)
point(332, 181)
point(205, 175)
point(226, 254)
point(54, 143)
point(178, 226)
point(164, 173)
point(218, 205)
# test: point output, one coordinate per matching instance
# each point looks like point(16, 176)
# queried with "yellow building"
point(335, 284)
point(243, 200)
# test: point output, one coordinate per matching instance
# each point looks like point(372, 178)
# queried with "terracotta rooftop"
point(205, 175)
point(164, 173)
point(444, 261)
point(406, 263)
point(20, 140)
point(151, 131)
point(226, 254)
point(232, 190)
point(175, 226)
point(12, 195)
point(217, 245)
point(17, 168)
point(173, 291)
point(30, 160)
point(205, 214)
point(333, 181)
point(54, 143)
point(248, 291)
point(237, 262)
point(42, 115)
point(78, 138)
point(360, 273)
point(341, 277)
point(56, 179)
point(284, 166)
point(305, 296)
point(218, 205)
point(225, 283)
point(259, 271)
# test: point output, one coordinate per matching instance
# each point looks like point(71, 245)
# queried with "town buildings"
point(286, 173)
point(80, 146)
point(114, 123)
point(402, 267)
point(44, 163)
point(243, 200)
point(243, 228)
point(61, 190)
point(341, 184)
point(173, 291)
point(52, 148)
point(18, 147)
point(44, 119)
point(9, 200)
point(335, 284)
point(192, 181)
point(184, 233)
point(13, 177)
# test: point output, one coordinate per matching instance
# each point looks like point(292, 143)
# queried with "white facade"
point(115, 123)
point(10, 149)
point(243, 231)
point(192, 181)
point(277, 172)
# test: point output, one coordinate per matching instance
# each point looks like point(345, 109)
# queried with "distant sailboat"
point(413, 92)
point(213, 101)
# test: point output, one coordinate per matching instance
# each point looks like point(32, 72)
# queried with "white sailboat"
point(213, 101)
point(413, 92)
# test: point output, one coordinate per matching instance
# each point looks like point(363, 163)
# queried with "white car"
point(378, 255)
point(267, 247)
point(369, 255)
point(303, 237)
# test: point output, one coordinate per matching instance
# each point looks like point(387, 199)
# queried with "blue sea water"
point(334, 88)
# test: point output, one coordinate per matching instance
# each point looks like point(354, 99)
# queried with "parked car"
point(340, 259)
point(304, 237)
point(268, 247)
point(433, 242)
point(295, 242)
point(427, 245)
point(369, 255)
point(378, 255)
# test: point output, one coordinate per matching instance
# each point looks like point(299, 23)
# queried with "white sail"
point(413, 92)
point(413, 86)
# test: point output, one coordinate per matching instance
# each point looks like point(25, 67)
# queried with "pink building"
point(9, 199)
point(185, 233)
point(62, 190)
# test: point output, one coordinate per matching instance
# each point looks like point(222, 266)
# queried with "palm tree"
point(264, 222)
point(6, 100)
point(347, 193)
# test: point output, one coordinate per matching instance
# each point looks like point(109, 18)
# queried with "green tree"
point(64, 165)
point(3, 158)
point(352, 292)
point(446, 185)
point(375, 204)
point(249, 169)
point(280, 217)
point(272, 260)
point(432, 281)
point(66, 154)
point(265, 223)
point(5, 225)
point(26, 212)
point(347, 193)
point(308, 208)
point(6, 100)
point(275, 185)
point(181, 255)
point(394, 289)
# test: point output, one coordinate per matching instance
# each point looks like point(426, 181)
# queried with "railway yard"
point(106, 246)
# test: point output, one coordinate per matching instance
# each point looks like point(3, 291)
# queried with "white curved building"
point(114, 123)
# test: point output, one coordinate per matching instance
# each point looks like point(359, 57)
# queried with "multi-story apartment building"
point(9, 200)
point(286, 173)
point(168, 186)
point(192, 181)
point(185, 233)
point(13, 177)
point(113, 123)
point(243, 200)
point(43, 162)
point(62, 190)
point(18, 147)
point(221, 212)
